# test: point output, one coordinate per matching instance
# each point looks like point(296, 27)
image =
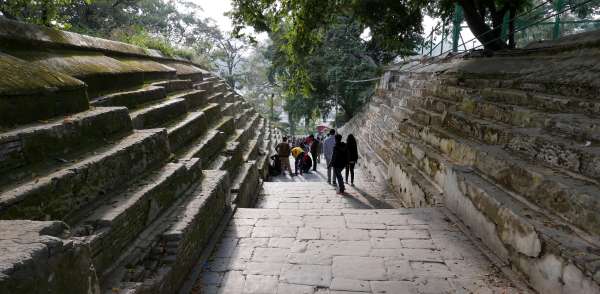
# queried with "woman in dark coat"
point(339, 160)
point(352, 157)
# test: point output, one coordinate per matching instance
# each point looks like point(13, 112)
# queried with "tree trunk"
point(272, 106)
point(511, 28)
point(489, 38)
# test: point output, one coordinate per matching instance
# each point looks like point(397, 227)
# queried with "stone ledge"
point(35, 258)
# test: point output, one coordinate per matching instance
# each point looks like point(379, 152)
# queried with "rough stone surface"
point(348, 248)
point(38, 257)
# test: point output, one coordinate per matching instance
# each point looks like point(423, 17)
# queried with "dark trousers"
point(350, 169)
point(314, 159)
point(340, 180)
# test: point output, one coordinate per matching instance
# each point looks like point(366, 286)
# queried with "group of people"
point(338, 155)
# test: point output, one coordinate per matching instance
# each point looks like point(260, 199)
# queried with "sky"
point(215, 10)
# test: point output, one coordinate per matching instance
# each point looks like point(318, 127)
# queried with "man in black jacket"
point(339, 160)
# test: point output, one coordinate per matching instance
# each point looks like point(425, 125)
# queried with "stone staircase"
point(508, 143)
point(117, 164)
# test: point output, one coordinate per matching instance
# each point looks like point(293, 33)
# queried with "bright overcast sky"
point(215, 10)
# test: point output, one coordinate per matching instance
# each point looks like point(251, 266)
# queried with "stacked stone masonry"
point(508, 143)
point(117, 164)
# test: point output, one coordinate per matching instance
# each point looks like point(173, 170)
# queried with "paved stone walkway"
point(303, 238)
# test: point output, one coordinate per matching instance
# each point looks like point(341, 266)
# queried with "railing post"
point(558, 6)
point(504, 31)
point(458, 18)
point(431, 42)
point(443, 38)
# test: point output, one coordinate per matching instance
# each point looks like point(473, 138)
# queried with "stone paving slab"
point(304, 238)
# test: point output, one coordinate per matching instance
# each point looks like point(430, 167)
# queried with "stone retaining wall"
point(508, 143)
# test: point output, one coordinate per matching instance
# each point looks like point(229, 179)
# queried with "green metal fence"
point(546, 20)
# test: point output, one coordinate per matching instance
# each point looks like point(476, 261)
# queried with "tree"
point(301, 24)
point(45, 13)
point(229, 53)
point(257, 82)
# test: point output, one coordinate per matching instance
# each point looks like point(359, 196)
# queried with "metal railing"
point(548, 20)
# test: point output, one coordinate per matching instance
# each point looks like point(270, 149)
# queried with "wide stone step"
point(577, 126)
point(60, 194)
point(228, 109)
point(175, 85)
point(216, 97)
point(118, 220)
point(568, 197)
point(537, 144)
point(188, 230)
point(207, 146)
point(205, 85)
point(31, 145)
point(229, 97)
point(131, 99)
point(544, 102)
point(190, 127)
point(220, 87)
point(213, 113)
point(251, 151)
point(31, 92)
point(194, 99)
point(244, 187)
point(158, 114)
point(38, 256)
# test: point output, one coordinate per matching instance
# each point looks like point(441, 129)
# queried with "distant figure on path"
point(314, 151)
point(302, 160)
point(328, 145)
point(283, 151)
point(352, 157)
point(339, 160)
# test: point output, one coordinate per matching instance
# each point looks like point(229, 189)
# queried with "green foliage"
point(45, 12)
point(300, 27)
point(145, 40)
point(340, 58)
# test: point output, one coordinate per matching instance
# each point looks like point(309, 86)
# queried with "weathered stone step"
point(38, 256)
point(229, 97)
point(507, 93)
point(543, 102)
point(174, 85)
point(60, 194)
point(251, 150)
point(220, 87)
point(535, 143)
point(216, 97)
point(194, 99)
point(206, 86)
point(120, 219)
point(219, 162)
point(207, 146)
point(213, 113)
point(244, 187)
point(189, 229)
point(233, 153)
point(211, 78)
point(576, 125)
point(31, 93)
point(190, 127)
point(158, 114)
point(568, 197)
point(409, 182)
point(131, 99)
point(508, 226)
point(31, 145)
